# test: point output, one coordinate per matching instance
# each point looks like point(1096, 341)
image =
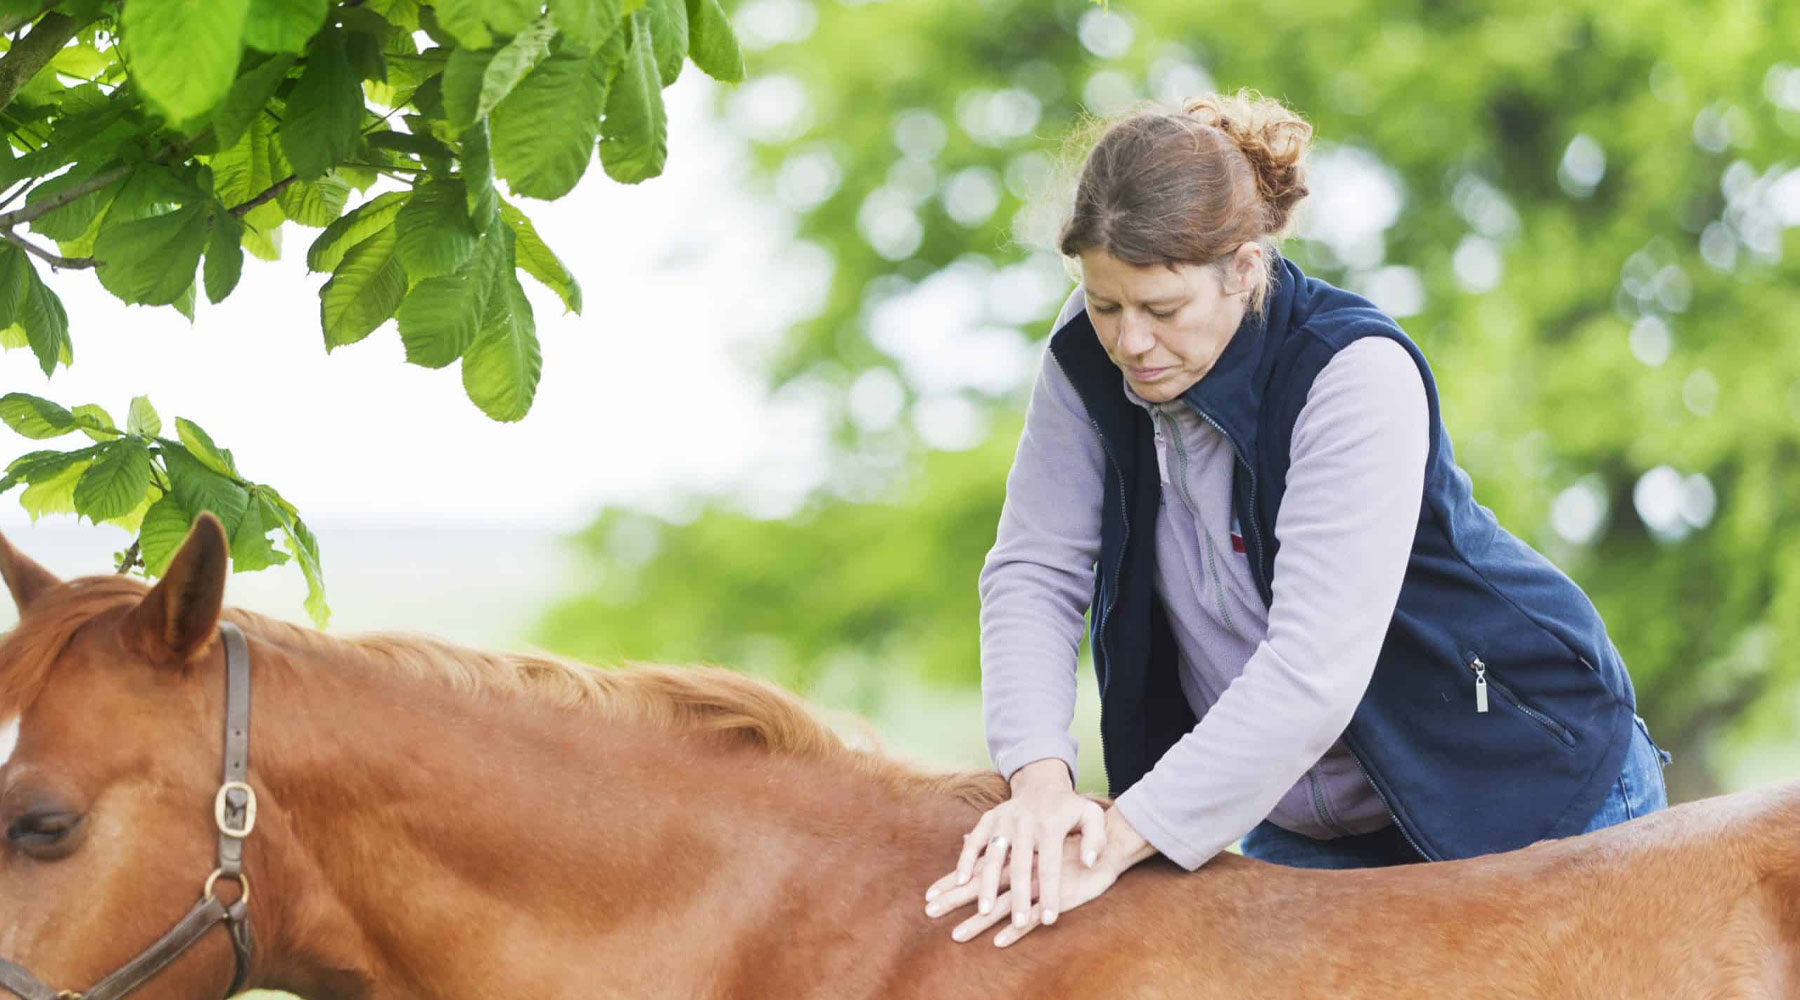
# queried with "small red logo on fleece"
point(1237, 539)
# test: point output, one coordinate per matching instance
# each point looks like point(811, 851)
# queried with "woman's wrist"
point(1051, 771)
point(1125, 846)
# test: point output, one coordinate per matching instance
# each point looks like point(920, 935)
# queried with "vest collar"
point(1230, 394)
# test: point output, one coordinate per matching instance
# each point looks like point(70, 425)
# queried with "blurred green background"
point(1584, 213)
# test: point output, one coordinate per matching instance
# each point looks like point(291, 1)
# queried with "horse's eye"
point(43, 832)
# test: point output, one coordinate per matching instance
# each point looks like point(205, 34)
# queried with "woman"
point(1307, 633)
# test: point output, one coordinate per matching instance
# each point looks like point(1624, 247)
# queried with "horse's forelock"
point(29, 652)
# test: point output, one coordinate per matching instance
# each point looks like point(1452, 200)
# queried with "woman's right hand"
point(1042, 811)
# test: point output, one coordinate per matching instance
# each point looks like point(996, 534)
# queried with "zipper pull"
point(1481, 697)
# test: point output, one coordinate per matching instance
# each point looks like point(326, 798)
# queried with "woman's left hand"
point(1080, 883)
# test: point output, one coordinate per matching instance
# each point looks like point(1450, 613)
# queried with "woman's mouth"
point(1148, 374)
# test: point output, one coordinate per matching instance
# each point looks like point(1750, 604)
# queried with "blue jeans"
point(1638, 790)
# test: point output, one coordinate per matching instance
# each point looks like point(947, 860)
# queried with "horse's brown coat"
point(438, 821)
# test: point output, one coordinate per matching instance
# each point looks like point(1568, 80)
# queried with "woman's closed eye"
point(1109, 310)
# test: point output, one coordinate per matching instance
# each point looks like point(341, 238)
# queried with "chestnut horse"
point(437, 821)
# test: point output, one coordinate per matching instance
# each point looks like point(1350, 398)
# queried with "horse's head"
point(110, 740)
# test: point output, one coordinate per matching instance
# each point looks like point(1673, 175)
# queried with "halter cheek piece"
point(234, 814)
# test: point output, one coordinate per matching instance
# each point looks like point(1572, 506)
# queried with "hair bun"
point(1272, 138)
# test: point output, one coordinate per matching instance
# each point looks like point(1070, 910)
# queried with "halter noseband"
point(234, 814)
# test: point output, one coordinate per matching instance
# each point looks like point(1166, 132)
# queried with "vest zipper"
point(1404, 832)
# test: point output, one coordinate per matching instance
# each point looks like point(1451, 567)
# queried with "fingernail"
point(931, 893)
point(931, 911)
point(959, 935)
point(986, 906)
point(1018, 920)
point(1088, 859)
point(1049, 916)
point(962, 879)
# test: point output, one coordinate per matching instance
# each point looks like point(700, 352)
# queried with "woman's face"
point(1165, 328)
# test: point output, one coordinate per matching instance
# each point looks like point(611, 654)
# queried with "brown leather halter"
point(234, 814)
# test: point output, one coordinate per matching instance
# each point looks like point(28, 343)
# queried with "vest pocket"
point(1485, 680)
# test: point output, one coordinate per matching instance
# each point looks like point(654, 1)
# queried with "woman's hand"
point(1033, 823)
point(1079, 881)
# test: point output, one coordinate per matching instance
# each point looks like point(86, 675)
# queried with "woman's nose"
point(1135, 336)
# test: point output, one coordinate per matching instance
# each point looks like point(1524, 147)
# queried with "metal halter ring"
point(243, 882)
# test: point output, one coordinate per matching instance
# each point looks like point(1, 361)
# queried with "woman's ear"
point(179, 615)
point(24, 578)
point(1246, 266)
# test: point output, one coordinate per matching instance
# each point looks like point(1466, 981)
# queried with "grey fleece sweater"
point(1273, 687)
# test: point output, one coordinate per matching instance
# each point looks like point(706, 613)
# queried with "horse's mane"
point(732, 706)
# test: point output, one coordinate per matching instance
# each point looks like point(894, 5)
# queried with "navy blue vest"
point(1475, 600)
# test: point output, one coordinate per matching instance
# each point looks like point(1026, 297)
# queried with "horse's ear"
point(25, 578)
point(177, 618)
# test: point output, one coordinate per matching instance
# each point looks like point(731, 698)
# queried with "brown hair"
point(1188, 186)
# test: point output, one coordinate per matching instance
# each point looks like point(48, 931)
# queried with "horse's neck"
point(422, 842)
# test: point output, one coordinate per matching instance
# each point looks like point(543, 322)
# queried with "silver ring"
point(997, 842)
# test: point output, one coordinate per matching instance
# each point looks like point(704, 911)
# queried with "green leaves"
point(35, 418)
point(544, 131)
point(442, 315)
point(668, 36)
point(155, 486)
point(352, 228)
point(363, 291)
point(538, 260)
point(30, 311)
point(325, 110)
point(224, 255)
point(476, 81)
point(585, 23)
point(435, 236)
point(500, 370)
point(283, 25)
point(712, 44)
point(116, 481)
point(634, 143)
point(152, 260)
point(183, 53)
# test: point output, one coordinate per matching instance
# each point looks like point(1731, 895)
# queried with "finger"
point(1024, 855)
point(972, 845)
point(937, 888)
point(1014, 932)
point(981, 921)
point(1049, 871)
point(992, 863)
point(954, 897)
point(1093, 833)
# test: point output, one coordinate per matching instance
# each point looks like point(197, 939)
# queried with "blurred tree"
point(1581, 211)
point(144, 135)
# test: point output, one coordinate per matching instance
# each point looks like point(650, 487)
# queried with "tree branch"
point(33, 52)
point(239, 211)
point(51, 204)
point(36, 251)
point(12, 22)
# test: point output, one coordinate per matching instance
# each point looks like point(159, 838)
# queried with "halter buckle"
point(69, 995)
point(220, 806)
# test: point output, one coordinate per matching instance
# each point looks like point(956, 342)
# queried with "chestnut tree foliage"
point(159, 141)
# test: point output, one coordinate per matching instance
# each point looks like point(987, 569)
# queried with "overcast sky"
point(648, 394)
